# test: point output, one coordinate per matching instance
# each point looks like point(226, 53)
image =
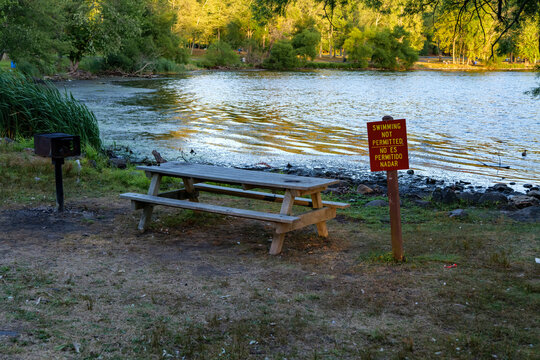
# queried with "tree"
point(506, 14)
point(389, 46)
point(528, 41)
point(305, 43)
point(80, 29)
point(134, 34)
point(221, 54)
point(384, 48)
point(282, 56)
point(358, 47)
point(29, 31)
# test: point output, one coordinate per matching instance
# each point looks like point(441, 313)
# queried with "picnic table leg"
point(148, 209)
point(317, 204)
point(286, 209)
point(189, 184)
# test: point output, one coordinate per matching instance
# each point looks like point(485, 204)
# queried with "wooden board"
point(264, 196)
point(239, 176)
point(184, 204)
point(309, 218)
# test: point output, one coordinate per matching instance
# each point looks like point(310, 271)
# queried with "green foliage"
point(233, 34)
point(28, 68)
point(384, 48)
point(161, 42)
point(181, 55)
point(39, 31)
point(528, 40)
point(221, 54)
point(80, 29)
point(358, 48)
point(119, 61)
point(145, 39)
point(305, 43)
point(282, 56)
point(29, 32)
point(165, 66)
point(389, 46)
point(535, 92)
point(27, 108)
point(133, 35)
point(92, 64)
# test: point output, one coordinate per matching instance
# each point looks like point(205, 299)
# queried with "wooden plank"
point(179, 194)
point(264, 196)
point(190, 189)
point(239, 176)
point(322, 230)
point(309, 218)
point(250, 214)
point(147, 211)
point(286, 208)
point(312, 191)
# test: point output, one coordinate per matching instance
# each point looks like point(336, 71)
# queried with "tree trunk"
point(454, 51)
point(74, 66)
point(330, 41)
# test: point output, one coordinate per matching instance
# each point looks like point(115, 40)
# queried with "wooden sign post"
point(388, 152)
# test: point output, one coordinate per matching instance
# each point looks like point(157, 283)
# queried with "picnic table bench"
point(194, 177)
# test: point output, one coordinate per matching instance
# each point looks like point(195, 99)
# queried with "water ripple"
point(459, 124)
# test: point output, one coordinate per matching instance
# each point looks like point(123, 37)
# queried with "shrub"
point(305, 43)
point(163, 65)
point(28, 69)
point(282, 56)
point(28, 108)
point(119, 62)
point(358, 48)
point(92, 64)
point(221, 54)
point(181, 55)
point(383, 48)
point(389, 46)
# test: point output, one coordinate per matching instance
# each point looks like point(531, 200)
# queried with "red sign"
point(388, 145)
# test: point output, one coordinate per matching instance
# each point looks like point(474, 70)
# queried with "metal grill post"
point(59, 183)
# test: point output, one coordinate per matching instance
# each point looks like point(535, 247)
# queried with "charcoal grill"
point(57, 146)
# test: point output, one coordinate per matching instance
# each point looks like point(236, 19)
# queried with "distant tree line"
point(145, 35)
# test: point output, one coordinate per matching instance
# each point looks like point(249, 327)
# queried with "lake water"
point(461, 125)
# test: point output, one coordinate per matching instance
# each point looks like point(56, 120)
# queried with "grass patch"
point(5, 65)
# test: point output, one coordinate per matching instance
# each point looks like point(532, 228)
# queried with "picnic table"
point(196, 176)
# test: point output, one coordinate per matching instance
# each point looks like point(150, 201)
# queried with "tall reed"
point(28, 108)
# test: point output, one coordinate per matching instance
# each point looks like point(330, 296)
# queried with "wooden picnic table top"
point(239, 176)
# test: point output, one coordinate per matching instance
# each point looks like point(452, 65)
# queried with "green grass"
point(28, 108)
point(5, 65)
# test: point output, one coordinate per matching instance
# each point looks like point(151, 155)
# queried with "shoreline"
point(418, 66)
point(424, 190)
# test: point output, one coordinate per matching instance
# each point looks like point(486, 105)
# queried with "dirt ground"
point(86, 284)
point(95, 249)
